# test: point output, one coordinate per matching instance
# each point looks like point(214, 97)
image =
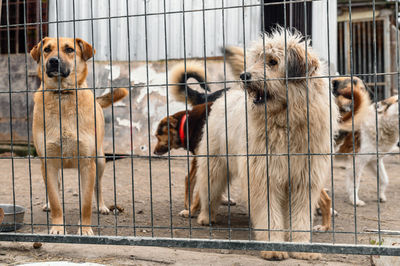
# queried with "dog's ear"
point(37, 50)
point(87, 50)
point(296, 65)
point(173, 122)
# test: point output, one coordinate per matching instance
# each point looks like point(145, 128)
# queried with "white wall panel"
point(203, 31)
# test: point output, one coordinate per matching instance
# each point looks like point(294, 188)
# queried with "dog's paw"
point(382, 198)
point(185, 214)
point(104, 210)
point(57, 230)
point(359, 202)
point(86, 231)
point(274, 255)
point(46, 207)
point(305, 256)
point(320, 228)
point(203, 219)
point(226, 202)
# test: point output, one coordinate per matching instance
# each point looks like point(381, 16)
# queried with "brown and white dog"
point(294, 116)
point(176, 135)
point(62, 68)
point(365, 133)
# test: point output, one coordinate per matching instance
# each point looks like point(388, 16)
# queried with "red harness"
point(182, 129)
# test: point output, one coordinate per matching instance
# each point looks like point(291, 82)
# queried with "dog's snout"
point(246, 76)
point(54, 61)
point(57, 67)
point(335, 87)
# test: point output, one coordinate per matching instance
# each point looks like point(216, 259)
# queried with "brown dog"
point(62, 68)
point(178, 138)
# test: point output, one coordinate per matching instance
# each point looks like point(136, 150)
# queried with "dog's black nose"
point(246, 76)
point(54, 61)
point(335, 87)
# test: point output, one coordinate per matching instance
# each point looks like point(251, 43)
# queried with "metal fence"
point(146, 191)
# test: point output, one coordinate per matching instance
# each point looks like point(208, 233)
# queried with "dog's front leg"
point(214, 181)
point(300, 216)
point(189, 187)
point(50, 178)
point(101, 164)
point(264, 220)
point(383, 177)
point(88, 174)
point(353, 185)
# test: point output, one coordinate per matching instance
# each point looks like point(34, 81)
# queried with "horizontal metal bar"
point(199, 83)
point(206, 243)
point(119, 156)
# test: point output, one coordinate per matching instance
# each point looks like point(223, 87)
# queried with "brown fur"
point(196, 119)
point(1, 215)
point(347, 92)
point(59, 93)
point(325, 204)
point(365, 134)
point(107, 99)
point(343, 89)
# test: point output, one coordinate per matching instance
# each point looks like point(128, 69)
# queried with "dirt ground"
point(161, 211)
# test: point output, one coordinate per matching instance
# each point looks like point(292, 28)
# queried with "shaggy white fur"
point(265, 114)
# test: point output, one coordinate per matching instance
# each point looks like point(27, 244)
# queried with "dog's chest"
point(68, 131)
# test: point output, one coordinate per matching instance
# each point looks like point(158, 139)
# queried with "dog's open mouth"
point(260, 97)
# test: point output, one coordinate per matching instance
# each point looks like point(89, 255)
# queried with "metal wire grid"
point(191, 242)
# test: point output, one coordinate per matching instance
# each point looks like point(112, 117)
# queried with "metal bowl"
point(8, 222)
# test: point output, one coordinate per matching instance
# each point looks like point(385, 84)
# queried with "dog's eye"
point(272, 62)
point(69, 50)
point(47, 50)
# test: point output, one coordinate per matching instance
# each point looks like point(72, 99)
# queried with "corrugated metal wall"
point(199, 38)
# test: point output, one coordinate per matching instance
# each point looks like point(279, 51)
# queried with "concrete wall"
point(144, 118)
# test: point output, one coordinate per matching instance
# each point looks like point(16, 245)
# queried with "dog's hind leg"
point(383, 177)
point(325, 206)
point(101, 164)
point(354, 185)
point(190, 183)
point(216, 184)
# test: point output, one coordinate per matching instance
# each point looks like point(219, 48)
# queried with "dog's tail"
point(179, 77)
point(107, 99)
point(361, 105)
point(235, 58)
